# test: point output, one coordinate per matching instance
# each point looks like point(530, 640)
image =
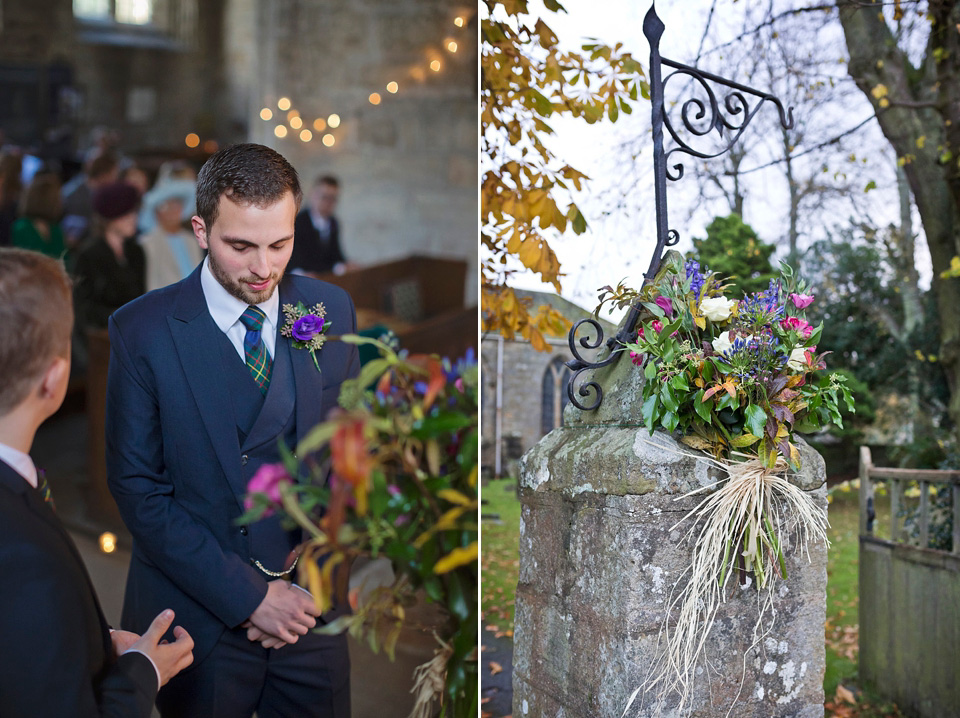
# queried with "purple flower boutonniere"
point(305, 327)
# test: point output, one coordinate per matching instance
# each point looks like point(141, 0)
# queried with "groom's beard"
point(240, 290)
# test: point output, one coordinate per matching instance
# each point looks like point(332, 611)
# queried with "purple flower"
point(665, 304)
point(801, 301)
point(267, 481)
point(307, 327)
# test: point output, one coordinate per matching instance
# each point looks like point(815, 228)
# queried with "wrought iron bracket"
point(698, 117)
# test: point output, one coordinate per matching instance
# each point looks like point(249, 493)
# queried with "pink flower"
point(665, 304)
point(801, 301)
point(267, 481)
point(637, 359)
point(798, 325)
point(657, 325)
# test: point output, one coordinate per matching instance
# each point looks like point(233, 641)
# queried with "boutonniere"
point(305, 327)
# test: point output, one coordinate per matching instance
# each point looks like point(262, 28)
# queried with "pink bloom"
point(637, 359)
point(665, 304)
point(801, 301)
point(798, 325)
point(267, 481)
point(657, 325)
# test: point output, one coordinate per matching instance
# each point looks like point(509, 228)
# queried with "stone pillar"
point(598, 563)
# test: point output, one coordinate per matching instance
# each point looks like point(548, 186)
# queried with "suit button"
point(244, 459)
point(243, 530)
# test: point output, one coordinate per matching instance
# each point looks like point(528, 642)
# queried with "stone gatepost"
point(598, 563)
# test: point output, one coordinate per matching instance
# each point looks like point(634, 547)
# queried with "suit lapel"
point(12, 480)
point(307, 380)
point(195, 337)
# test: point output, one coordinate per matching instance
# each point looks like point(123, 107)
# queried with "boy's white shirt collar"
point(19, 462)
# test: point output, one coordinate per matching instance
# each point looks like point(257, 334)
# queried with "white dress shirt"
point(226, 310)
point(19, 462)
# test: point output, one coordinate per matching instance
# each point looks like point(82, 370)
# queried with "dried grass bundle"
point(428, 681)
point(747, 516)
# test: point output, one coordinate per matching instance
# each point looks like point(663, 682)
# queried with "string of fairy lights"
point(322, 128)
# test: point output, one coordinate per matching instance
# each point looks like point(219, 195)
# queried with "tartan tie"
point(43, 486)
point(254, 351)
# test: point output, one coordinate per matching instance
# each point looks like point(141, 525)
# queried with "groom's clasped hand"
point(286, 613)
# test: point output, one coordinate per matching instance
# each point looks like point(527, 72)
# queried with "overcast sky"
point(619, 244)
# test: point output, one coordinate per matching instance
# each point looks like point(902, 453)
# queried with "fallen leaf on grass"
point(844, 695)
point(495, 668)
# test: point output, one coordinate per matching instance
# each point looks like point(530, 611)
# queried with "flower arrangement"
point(393, 473)
point(737, 378)
point(733, 374)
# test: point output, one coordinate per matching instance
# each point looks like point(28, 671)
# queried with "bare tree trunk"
point(914, 119)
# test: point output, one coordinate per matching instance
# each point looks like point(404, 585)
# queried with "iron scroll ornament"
point(694, 112)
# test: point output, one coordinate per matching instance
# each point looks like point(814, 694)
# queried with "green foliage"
point(733, 250)
point(856, 291)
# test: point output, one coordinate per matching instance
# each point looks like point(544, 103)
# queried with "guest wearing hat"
point(111, 270)
point(172, 252)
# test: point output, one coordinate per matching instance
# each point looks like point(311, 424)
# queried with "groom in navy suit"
point(202, 387)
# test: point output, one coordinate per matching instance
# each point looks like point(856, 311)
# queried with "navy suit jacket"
point(173, 454)
point(56, 658)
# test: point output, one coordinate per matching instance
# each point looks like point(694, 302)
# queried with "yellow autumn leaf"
point(454, 497)
point(460, 556)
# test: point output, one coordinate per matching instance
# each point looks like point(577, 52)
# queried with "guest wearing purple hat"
point(111, 270)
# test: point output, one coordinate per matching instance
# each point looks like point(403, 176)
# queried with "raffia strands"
point(428, 681)
point(746, 516)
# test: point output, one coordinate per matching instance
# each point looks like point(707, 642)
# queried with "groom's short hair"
point(36, 316)
point(248, 174)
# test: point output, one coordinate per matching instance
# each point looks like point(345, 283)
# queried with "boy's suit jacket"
point(174, 462)
point(56, 658)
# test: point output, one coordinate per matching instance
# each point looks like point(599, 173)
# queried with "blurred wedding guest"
point(58, 657)
point(176, 176)
point(110, 270)
point(99, 171)
point(172, 252)
point(38, 228)
point(316, 242)
point(11, 165)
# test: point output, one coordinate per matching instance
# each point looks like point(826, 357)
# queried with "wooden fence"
point(909, 596)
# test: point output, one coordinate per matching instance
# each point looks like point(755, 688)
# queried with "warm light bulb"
point(392, 87)
point(211, 146)
point(334, 121)
point(296, 123)
point(280, 131)
point(458, 21)
point(306, 135)
point(319, 124)
point(374, 98)
point(284, 103)
point(266, 114)
point(108, 542)
point(292, 114)
point(192, 140)
point(328, 140)
point(418, 74)
point(452, 46)
point(435, 66)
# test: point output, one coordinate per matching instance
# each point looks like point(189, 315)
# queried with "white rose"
point(722, 343)
point(717, 309)
point(798, 359)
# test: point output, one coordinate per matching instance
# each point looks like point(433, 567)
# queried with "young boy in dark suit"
point(58, 657)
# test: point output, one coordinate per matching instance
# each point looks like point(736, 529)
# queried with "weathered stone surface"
point(600, 556)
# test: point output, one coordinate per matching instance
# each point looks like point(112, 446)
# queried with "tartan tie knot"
point(253, 318)
point(255, 353)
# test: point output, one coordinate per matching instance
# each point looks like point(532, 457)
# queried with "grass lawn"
point(499, 542)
